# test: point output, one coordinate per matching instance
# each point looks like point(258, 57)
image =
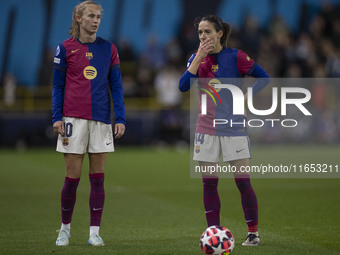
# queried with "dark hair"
point(218, 24)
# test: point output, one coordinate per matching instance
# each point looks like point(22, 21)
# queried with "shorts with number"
point(209, 148)
point(83, 136)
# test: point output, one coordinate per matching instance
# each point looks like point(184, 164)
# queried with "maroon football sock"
point(68, 199)
point(97, 197)
point(249, 202)
point(211, 201)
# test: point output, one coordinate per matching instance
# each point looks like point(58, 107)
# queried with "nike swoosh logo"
point(97, 209)
point(108, 143)
point(237, 151)
point(73, 51)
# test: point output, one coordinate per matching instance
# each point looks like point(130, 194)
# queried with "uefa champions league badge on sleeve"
point(57, 60)
point(57, 51)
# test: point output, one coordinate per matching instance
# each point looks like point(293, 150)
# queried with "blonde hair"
point(78, 10)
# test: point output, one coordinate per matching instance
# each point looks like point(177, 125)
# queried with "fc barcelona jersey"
point(83, 75)
point(229, 63)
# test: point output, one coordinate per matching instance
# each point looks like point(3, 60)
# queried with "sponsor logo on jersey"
point(56, 60)
point(214, 68)
point(90, 72)
point(214, 91)
point(73, 51)
point(89, 55)
point(65, 142)
point(212, 83)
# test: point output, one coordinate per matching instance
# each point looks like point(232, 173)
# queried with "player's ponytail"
point(226, 34)
point(78, 10)
point(74, 29)
point(218, 24)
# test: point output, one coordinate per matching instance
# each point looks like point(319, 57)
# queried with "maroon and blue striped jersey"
point(84, 73)
point(229, 63)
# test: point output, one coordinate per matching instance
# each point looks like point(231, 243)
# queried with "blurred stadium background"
point(152, 206)
point(289, 38)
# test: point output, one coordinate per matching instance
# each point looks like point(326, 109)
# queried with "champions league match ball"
point(217, 240)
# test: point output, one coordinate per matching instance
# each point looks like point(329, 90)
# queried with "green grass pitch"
point(153, 207)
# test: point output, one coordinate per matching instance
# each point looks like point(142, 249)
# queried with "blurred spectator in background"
point(128, 66)
point(174, 53)
point(249, 36)
point(46, 69)
point(187, 38)
point(169, 97)
point(326, 131)
point(145, 77)
point(10, 84)
point(166, 93)
point(335, 35)
point(293, 71)
point(153, 55)
point(320, 96)
point(333, 64)
point(127, 53)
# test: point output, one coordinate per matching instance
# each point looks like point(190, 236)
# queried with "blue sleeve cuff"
point(117, 95)
point(184, 82)
point(258, 72)
point(58, 94)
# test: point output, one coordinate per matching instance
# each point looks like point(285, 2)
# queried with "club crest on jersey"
point(90, 72)
point(214, 68)
point(65, 142)
point(197, 148)
point(89, 55)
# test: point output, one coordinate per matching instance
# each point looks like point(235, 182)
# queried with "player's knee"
point(73, 175)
